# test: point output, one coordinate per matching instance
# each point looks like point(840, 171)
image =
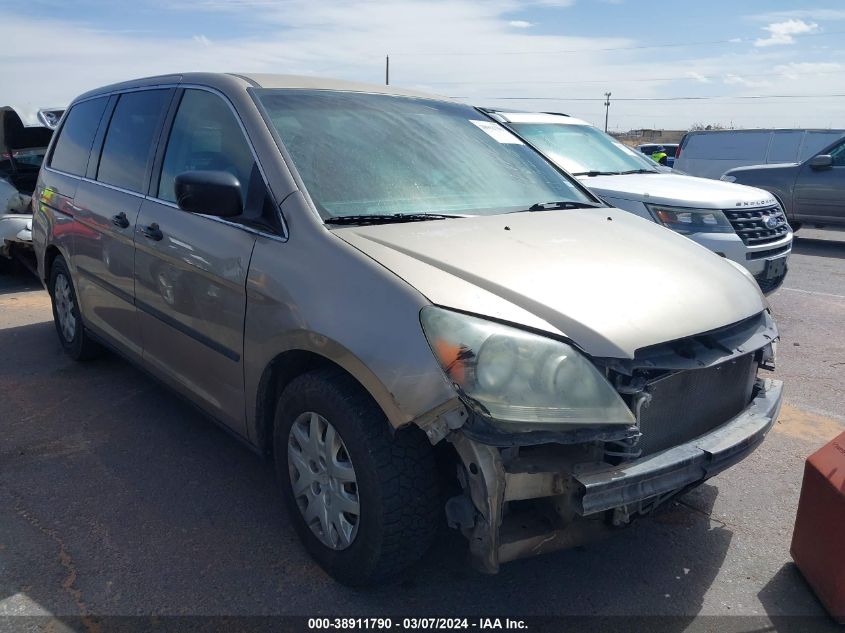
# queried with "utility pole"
point(606, 109)
point(387, 70)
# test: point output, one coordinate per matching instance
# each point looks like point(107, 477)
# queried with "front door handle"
point(152, 232)
point(120, 220)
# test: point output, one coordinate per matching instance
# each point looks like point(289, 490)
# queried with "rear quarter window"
point(76, 137)
point(129, 140)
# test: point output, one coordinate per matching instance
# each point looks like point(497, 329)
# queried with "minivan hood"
point(607, 280)
point(677, 190)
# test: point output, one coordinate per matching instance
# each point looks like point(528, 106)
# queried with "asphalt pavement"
point(117, 498)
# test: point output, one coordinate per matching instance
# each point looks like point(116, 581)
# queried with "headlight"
point(520, 380)
point(727, 178)
point(686, 221)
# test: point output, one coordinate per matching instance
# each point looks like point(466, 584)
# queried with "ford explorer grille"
point(688, 404)
point(758, 226)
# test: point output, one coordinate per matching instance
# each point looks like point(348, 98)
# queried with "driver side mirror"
point(822, 161)
point(216, 193)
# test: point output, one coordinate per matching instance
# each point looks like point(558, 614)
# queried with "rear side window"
point(750, 146)
point(77, 135)
point(126, 150)
point(205, 136)
point(784, 146)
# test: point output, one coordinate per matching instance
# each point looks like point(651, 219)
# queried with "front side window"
point(129, 139)
point(77, 136)
point(582, 149)
point(370, 154)
point(815, 141)
point(205, 136)
point(838, 155)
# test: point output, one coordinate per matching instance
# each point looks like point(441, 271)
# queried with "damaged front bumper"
point(529, 503)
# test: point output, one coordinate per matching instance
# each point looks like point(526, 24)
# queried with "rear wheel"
point(66, 316)
point(364, 502)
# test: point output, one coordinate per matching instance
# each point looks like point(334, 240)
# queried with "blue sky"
point(557, 55)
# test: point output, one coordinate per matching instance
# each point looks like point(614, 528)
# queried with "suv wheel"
point(364, 502)
point(66, 316)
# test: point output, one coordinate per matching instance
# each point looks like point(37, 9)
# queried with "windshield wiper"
point(639, 171)
point(386, 218)
point(549, 206)
point(595, 173)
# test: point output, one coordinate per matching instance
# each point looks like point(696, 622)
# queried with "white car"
point(743, 224)
point(24, 136)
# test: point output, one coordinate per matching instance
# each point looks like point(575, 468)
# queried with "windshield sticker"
point(497, 132)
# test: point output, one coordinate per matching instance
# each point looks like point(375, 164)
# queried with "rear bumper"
point(678, 467)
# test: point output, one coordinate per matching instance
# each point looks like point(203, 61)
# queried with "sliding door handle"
point(152, 232)
point(120, 220)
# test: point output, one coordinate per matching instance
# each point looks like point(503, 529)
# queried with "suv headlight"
point(687, 221)
point(520, 380)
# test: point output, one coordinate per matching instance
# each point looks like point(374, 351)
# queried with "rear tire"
point(395, 479)
point(66, 315)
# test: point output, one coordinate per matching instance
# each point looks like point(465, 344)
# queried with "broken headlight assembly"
point(687, 221)
point(519, 380)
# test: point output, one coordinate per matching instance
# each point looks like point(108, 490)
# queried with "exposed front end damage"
point(700, 407)
point(24, 137)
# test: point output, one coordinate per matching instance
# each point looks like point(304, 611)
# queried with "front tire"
point(66, 315)
point(364, 502)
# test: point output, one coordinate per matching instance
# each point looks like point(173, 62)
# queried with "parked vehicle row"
point(23, 142)
point(711, 153)
point(744, 224)
point(408, 307)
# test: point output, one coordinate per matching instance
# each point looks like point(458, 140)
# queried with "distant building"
point(647, 135)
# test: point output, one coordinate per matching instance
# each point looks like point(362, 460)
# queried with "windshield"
point(369, 154)
point(582, 149)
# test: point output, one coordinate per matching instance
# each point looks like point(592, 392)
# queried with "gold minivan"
point(413, 313)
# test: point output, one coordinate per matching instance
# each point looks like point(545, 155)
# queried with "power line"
point(621, 80)
point(690, 98)
point(735, 40)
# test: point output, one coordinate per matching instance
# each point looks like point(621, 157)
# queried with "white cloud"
point(782, 32)
point(520, 24)
point(698, 77)
point(738, 80)
point(797, 70)
point(202, 39)
point(801, 14)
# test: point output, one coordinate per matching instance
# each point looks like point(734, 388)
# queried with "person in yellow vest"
point(659, 156)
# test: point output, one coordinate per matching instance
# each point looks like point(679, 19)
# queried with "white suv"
point(743, 224)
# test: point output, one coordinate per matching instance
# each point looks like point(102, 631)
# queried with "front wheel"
point(365, 503)
point(66, 315)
